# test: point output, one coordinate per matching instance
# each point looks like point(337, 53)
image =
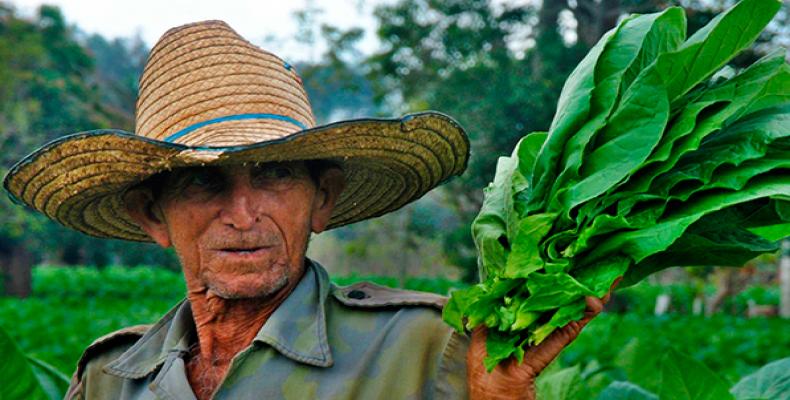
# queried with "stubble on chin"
point(239, 292)
point(259, 284)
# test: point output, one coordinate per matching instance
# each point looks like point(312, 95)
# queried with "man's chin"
point(240, 288)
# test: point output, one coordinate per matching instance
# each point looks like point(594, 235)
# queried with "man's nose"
point(240, 210)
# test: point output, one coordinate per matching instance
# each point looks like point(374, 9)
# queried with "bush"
point(112, 282)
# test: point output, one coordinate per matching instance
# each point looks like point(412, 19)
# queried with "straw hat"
point(207, 96)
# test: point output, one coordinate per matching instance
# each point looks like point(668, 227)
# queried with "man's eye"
point(199, 180)
point(203, 180)
point(275, 172)
point(281, 172)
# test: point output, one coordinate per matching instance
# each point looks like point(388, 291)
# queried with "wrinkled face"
point(242, 231)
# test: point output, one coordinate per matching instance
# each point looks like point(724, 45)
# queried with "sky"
point(267, 23)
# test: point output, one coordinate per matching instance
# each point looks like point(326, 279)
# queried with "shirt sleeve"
point(451, 377)
point(75, 389)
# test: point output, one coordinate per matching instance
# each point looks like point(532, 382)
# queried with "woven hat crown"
point(205, 85)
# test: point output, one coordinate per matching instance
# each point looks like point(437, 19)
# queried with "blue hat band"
point(237, 117)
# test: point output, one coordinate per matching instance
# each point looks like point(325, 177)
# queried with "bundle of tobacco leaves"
point(657, 156)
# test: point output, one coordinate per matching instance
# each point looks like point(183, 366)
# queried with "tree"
point(53, 84)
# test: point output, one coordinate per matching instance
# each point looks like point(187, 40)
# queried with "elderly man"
point(228, 169)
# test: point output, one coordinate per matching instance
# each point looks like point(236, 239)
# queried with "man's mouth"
point(245, 250)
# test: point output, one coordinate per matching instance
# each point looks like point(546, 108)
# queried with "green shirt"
point(323, 342)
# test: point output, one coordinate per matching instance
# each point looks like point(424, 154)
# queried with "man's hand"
point(510, 380)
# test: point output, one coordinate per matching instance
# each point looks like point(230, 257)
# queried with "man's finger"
point(594, 306)
point(605, 299)
point(614, 284)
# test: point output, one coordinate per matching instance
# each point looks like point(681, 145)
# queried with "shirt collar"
point(296, 329)
point(172, 333)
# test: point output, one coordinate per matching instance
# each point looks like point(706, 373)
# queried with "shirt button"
point(357, 294)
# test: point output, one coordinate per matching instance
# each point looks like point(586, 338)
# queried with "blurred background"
point(496, 66)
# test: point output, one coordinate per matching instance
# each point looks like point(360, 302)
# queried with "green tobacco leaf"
point(455, 309)
point(666, 35)
point(600, 276)
point(714, 44)
point(642, 211)
point(735, 177)
point(551, 291)
point(642, 243)
point(524, 257)
point(17, 369)
point(646, 164)
point(684, 378)
point(637, 125)
point(765, 84)
point(592, 232)
point(719, 242)
point(626, 141)
point(484, 302)
point(620, 390)
point(526, 153)
point(489, 229)
point(770, 382)
point(53, 382)
point(524, 318)
point(641, 362)
point(638, 40)
point(573, 311)
point(748, 140)
point(565, 384)
point(499, 347)
point(573, 109)
point(772, 232)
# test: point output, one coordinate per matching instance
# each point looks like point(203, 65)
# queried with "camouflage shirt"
point(323, 342)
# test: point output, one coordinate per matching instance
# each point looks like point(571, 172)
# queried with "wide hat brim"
point(80, 180)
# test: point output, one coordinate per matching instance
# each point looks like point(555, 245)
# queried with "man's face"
point(241, 231)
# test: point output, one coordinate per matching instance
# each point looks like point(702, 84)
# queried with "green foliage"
point(31, 379)
point(630, 347)
point(53, 83)
point(683, 378)
point(633, 176)
point(669, 370)
point(119, 64)
point(666, 375)
point(769, 382)
point(70, 307)
point(54, 382)
point(563, 384)
point(625, 391)
point(114, 282)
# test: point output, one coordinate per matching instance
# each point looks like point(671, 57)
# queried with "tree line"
point(497, 67)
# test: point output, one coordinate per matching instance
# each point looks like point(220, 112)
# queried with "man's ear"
point(330, 185)
point(146, 213)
